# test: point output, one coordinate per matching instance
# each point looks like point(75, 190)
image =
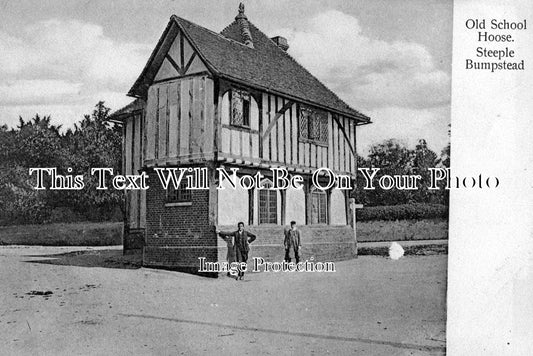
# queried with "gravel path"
point(98, 302)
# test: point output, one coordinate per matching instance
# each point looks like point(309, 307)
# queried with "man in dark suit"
point(230, 241)
point(292, 242)
point(242, 240)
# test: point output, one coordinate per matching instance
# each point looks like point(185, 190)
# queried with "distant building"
point(234, 99)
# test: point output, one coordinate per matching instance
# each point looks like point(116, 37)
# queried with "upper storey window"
point(313, 125)
point(240, 108)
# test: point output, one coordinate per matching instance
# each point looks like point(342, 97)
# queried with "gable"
point(186, 48)
point(174, 56)
point(181, 59)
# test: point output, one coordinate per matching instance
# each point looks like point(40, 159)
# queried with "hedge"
point(402, 230)
point(413, 211)
point(71, 234)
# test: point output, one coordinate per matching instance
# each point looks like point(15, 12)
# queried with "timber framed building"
point(233, 99)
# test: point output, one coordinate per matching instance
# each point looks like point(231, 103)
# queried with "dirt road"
point(95, 302)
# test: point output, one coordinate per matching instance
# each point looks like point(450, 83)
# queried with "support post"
point(354, 206)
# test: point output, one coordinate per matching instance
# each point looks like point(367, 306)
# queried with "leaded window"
point(314, 128)
point(313, 125)
point(240, 108)
point(304, 123)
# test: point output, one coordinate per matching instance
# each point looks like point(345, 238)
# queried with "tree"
point(38, 143)
point(93, 143)
point(444, 159)
point(392, 158)
point(423, 158)
point(35, 143)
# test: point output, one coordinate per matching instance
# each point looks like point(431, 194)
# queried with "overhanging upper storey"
point(241, 53)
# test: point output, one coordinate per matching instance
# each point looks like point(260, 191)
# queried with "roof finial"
point(244, 27)
point(241, 14)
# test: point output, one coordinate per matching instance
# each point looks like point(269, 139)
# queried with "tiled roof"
point(135, 105)
point(265, 66)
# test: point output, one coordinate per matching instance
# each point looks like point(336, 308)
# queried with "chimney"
point(242, 20)
point(281, 42)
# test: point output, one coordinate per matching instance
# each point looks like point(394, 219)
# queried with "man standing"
point(292, 241)
point(242, 240)
point(230, 241)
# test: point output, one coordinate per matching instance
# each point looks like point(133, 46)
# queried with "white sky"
point(388, 59)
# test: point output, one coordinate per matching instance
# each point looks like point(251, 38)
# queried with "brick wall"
point(133, 241)
point(176, 236)
point(322, 242)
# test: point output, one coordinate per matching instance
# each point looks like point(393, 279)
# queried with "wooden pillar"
point(251, 194)
point(283, 195)
point(213, 195)
point(328, 206)
point(353, 207)
point(347, 207)
point(308, 207)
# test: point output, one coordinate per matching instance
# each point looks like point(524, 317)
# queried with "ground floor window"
point(180, 195)
point(319, 207)
point(268, 204)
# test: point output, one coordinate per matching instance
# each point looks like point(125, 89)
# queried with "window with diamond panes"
point(313, 125)
point(304, 123)
point(240, 108)
point(324, 129)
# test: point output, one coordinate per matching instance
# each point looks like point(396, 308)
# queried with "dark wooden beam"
point(280, 113)
point(174, 64)
point(251, 194)
point(182, 55)
point(341, 127)
point(283, 206)
point(189, 63)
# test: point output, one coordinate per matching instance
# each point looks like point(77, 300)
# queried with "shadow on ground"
point(90, 258)
point(440, 349)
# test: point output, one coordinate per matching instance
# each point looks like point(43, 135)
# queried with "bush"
point(25, 207)
point(64, 215)
point(402, 230)
point(414, 211)
point(72, 234)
